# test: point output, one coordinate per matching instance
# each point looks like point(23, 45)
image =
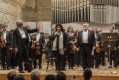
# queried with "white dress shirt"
point(85, 36)
point(4, 36)
point(23, 35)
point(37, 36)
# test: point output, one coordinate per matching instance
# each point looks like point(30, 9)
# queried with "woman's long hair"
point(60, 27)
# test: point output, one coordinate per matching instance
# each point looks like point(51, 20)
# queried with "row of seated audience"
point(35, 75)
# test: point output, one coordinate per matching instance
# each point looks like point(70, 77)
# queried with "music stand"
point(109, 43)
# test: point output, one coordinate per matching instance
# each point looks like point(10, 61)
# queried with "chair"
point(50, 60)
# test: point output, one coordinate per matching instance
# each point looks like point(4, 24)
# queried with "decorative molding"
point(2, 10)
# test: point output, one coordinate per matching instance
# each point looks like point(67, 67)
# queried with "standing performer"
point(70, 50)
point(59, 46)
point(21, 40)
point(97, 49)
point(5, 44)
point(12, 51)
point(113, 52)
point(40, 44)
point(86, 44)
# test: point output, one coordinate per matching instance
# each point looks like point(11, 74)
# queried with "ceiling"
point(36, 10)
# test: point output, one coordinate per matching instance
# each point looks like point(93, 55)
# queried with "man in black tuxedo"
point(5, 50)
point(40, 42)
point(21, 40)
point(86, 45)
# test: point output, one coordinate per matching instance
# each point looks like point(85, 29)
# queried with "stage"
point(98, 74)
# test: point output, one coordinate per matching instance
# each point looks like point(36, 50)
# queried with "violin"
point(33, 44)
point(72, 48)
point(2, 41)
point(37, 48)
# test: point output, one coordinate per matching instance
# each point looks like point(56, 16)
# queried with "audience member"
point(61, 76)
point(35, 74)
point(87, 74)
point(19, 77)
point(50, 77)
point(11, 75)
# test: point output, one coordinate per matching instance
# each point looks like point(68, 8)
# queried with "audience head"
point(19, 77)
point(11, 75)
point(61, 76)
point(59, 28)
point(87, 74)
point(35, 74)
point(50, 77)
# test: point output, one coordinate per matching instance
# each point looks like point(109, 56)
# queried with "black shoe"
point(40, 67)
point(22, 71)
point(4, 68)
point(8, 68)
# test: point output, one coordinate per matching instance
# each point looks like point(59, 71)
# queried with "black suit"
point(6, 56)
point(60, 59)
point(39, 56)
point(22, 45)
point(86, 48)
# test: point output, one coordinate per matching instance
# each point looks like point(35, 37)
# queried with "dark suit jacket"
point(91, 38)
point(18, 42)
point(53, 36)
point(7, 36)
point(98, 36)
point(41, 40)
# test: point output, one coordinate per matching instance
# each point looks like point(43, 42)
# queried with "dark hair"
point(60, 27)
point(68, 28)
point(19, 77)
point(61, 76)
point(87, 73)
point(50, 77)
point(11, 75)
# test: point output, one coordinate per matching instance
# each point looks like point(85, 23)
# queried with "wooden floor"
point(98, 74)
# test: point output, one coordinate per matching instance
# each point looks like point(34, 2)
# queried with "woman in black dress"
point(70, 47)
point(59, 38)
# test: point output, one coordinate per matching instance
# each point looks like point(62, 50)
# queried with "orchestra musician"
point(97, 49)
point(113, 52)
point(86, 45)
point(39, 46)
point(12, 51)
point(59, 39)
point(5, 46)
point(70, 49)
point(21, 39)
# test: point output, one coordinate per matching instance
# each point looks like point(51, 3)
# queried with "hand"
point(93, 48)
point(10, 48)
point(118, 47)
point(16, 50)
point(39, 28)
point(57, 33)
point(71, 42)
point(78, 49)
point(64, 49)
